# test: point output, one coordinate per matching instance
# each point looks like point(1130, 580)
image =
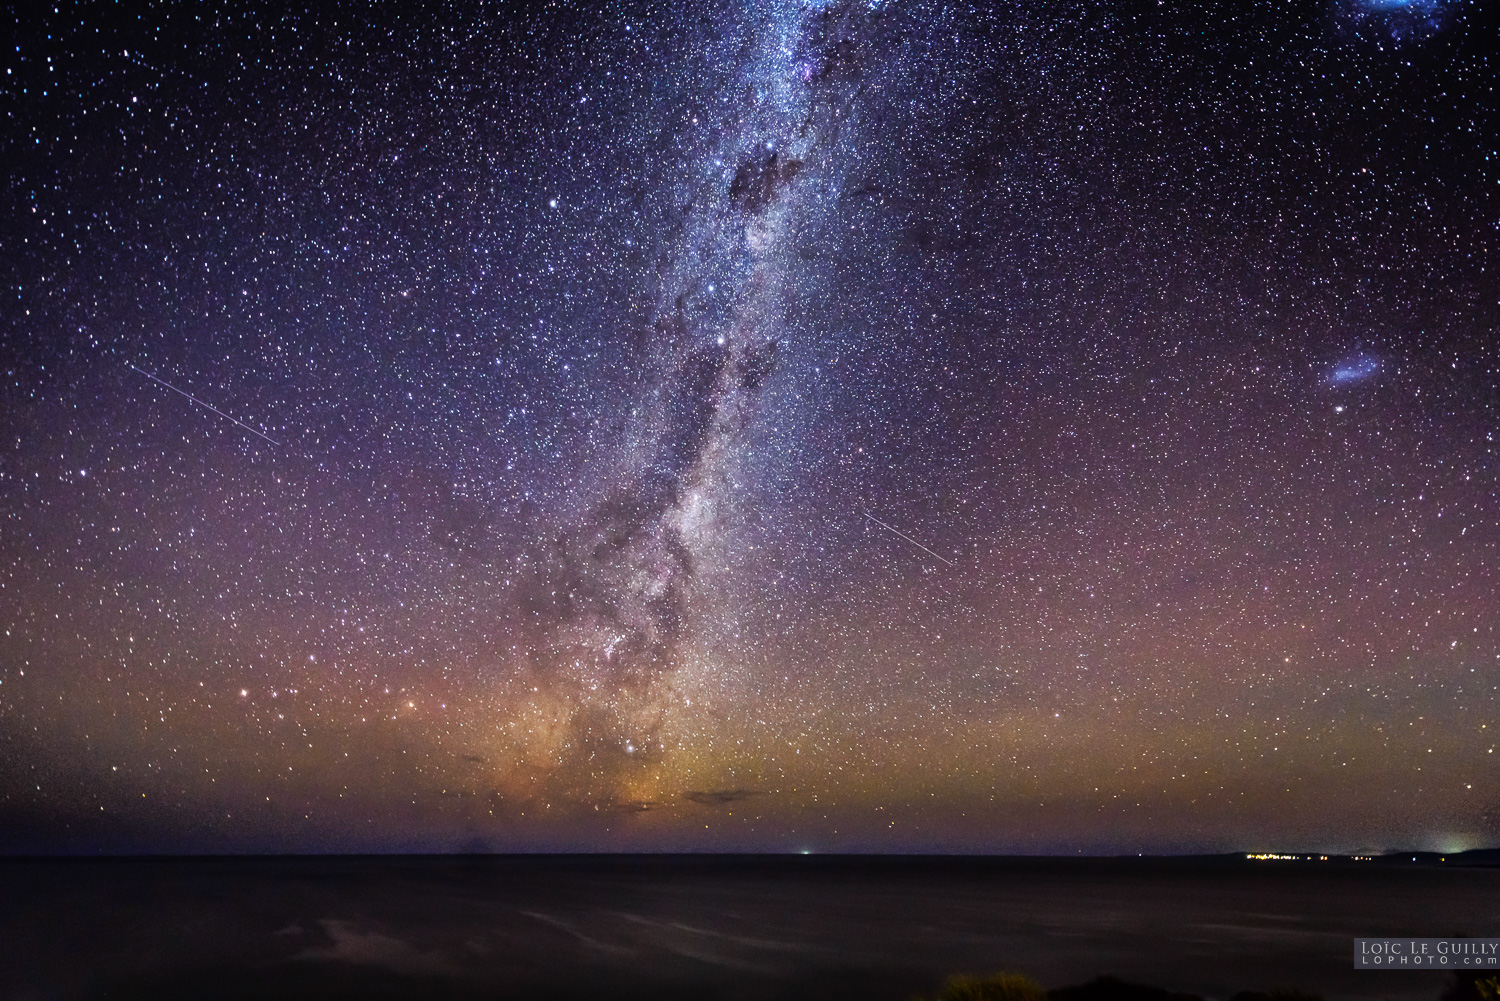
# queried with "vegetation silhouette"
point(1276, 994)
point(996, 987)
point(1472, 986)
point(1018, 987)
point(1109, 988)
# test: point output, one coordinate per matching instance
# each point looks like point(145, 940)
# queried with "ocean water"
point(712, 927)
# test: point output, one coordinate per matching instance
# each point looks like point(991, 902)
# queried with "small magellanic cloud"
point(1402, 20)
point(1351, 370)
point(1392, 5)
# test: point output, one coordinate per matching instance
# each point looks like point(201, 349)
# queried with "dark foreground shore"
point(765, 927)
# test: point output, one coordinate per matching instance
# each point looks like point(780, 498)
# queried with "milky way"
point(756, 426)
point(612, 604)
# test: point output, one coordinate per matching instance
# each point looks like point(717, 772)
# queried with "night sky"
point(753, 425)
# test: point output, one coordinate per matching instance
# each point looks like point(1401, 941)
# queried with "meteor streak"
point(908, 538)
point(201, 403)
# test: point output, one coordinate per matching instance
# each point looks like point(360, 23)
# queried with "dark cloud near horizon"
point(721, 797)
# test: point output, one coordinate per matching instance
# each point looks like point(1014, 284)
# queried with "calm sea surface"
point(877, 929)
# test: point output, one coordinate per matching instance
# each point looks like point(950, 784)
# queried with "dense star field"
point(752, 425)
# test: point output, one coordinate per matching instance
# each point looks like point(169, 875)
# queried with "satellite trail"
point(200, 403)
point(908, 538)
